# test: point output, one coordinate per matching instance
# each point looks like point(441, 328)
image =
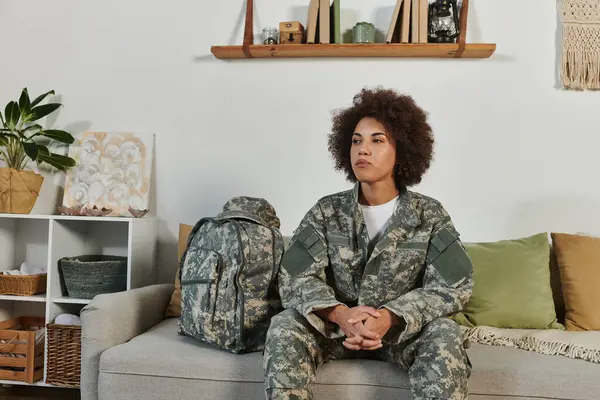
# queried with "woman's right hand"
point(358, 315)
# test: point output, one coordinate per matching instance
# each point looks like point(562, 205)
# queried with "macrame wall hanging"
point(580, 44)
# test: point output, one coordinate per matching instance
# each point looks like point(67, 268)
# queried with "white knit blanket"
point(580, 44)
point(579, 345)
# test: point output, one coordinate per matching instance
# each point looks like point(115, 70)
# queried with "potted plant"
point(21, 141)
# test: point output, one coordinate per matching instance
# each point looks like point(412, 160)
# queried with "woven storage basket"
point(90, 275)
point(22, 285)
point(63, 367)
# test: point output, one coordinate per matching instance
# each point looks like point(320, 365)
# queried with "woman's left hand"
point(380, 326)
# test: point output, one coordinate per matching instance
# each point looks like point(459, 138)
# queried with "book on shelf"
point(324, 21)
point(414, 21)
point(312, 23)
point(336, 18)
point(405, 27)
point(394, 31)
point(409, 22)
point(423, 20)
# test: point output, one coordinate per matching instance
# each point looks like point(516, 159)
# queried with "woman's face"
point(373, 152)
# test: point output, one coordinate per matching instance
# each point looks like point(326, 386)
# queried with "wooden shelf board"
point(21, 383)
point(38, 297)
point(70, 300)
point(429, 50)
point(72, 217)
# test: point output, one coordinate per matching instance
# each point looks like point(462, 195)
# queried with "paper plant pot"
point(19, 190)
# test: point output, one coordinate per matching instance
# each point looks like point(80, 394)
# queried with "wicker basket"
point(23, 285)
point(90, 275)
point(63, 367)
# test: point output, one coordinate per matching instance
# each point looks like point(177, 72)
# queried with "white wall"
point(515, 154)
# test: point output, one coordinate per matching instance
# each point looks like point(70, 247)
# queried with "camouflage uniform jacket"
point(418, 269)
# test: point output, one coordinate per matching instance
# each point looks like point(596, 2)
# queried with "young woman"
point(374, 271)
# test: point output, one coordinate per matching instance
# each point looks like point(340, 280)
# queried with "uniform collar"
point(404, 213)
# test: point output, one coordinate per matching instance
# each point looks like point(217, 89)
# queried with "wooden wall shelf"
point(460, 49)
point(430, 50)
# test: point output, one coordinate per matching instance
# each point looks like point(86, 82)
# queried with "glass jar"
point(270, 35)
point(364, 32)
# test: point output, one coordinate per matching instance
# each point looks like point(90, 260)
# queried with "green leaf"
point(2, 119)
point(48, 160)
point(12, 114)
point(3, 141)
point(58, 135)
point(40, 98)
point(31, 150)
point(43, 110)
point(32, 127)
point(43, 150)
point(24, 102)
point(57, 161)
point(64, 160)
point(8, 113)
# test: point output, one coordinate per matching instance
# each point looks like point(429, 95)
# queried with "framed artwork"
point(113, 171)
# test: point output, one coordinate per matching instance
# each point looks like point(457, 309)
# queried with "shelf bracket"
point(249, 29)
point(462, 35)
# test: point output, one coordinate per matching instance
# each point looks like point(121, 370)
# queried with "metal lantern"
point(443, 21)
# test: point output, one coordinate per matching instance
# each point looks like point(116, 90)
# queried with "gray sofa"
point(130, 351)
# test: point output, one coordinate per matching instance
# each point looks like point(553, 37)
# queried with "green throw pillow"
point(511, 285)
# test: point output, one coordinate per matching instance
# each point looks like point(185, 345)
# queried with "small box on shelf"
point(22, 349)
point(291, 33)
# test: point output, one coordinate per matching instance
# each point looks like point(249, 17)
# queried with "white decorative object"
point(113, 171)
point(67, 319)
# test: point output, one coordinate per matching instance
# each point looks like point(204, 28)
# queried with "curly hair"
point(403, 120)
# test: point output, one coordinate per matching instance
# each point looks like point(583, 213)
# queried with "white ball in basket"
point(67, 319)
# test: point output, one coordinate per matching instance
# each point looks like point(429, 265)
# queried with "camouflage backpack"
point(228, 276)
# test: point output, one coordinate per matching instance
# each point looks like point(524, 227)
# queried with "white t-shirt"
point(377, 217)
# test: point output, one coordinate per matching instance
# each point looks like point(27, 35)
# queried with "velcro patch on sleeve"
point(307, 249)
point(448, 257)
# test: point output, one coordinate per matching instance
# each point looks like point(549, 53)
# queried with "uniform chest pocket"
point(340, 240)
point(343, 251)
point(420, 247)
point(400, 258)
point(341, 246)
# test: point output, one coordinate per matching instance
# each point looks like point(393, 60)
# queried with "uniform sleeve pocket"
point(449, 257)
point(306, 249)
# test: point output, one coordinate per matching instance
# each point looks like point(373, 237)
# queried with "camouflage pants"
point(436, 361)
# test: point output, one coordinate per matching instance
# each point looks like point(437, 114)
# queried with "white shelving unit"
point(42, 240)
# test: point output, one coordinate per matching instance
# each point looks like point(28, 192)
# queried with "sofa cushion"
point(579, 264)
point(163, 355)
point(511, 285)
point(174, 307)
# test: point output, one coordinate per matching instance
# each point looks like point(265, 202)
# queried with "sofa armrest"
point(113, 319)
